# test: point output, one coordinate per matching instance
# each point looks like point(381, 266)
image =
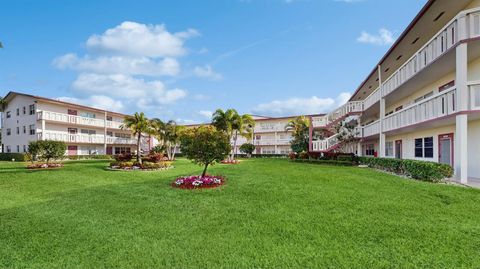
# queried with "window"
point(31, 109)
point(24, 129)
point(18, 148)
point(87, 115)
point(122, 135)
point(109, 133)
point(24, 148)
point(389, 113)
point(18, 130)
point(9, 114)
point(18, 111)
point(389, 149)
point(24, 110)
point(31, 128)
point(424, 147)
point(89, 132)
point(446, 86)
point(109, 118)
point(398, 108)
point(9, 149)
point(370, 150)
point(430, 94)
point(121, 150)
point(9, 131)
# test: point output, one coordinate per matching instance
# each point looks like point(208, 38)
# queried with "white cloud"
point(136, 39)
point(119, 65)
point(206, 72)
point(301, 106)
point(205, 113)
point(145, 94)
point(384, 37)
point(97, 101)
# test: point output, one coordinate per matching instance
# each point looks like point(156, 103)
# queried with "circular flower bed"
point(198, 182)
point(44, 165)
point(230, 162)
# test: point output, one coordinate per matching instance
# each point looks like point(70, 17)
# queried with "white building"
point(85, 130)
point(422, 100)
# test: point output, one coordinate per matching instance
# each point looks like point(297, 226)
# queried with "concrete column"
point(105, 133)
point(381, 140)
point(43, 130)
point(461, 128)
point(359, 149)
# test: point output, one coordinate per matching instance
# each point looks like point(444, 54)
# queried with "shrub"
point(47, 150)
point(247, 148)
point(158, 149)
point(421, 170)
point(19, 157)
point(303, 155)
point(154, 157)
point(292, 155)
point(124, 157)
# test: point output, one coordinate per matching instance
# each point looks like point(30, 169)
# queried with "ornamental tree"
point(205, 145)
point(47, 150)
point(247, 148)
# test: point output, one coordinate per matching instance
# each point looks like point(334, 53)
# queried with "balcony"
point(338, 114)
point(437, 106)
point(371, 129)
point(372, 99)
point(455, 31)
point(325, 144)
point(84, 138)
point(272, 142)
point(76, 120)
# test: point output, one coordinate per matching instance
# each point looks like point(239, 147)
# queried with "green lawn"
point(271, 213)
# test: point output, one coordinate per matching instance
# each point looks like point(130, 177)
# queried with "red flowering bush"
point(198, 182)
point(230, 162)
point(292, 155)
point(44, 165)
point(124, 157)
point(154, 157)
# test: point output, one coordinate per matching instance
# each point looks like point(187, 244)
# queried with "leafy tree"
point(205, 145)
point(247, 148)
point(47, 150)
point(138, 124)
point(300, 128)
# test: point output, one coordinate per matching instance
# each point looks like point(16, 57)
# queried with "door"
point(72, 150)
point(398, 149)
point(445, 149)
point(109, 151)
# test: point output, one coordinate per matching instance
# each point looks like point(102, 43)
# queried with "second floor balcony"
point(76, 120)
point(84, 138)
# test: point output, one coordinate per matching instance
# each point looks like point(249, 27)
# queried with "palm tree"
point(172, 137)
point(138, 124)
point(244, 126)
point(300, 127)
point(226, 121)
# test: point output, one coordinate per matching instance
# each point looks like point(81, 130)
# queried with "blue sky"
point(183, 59)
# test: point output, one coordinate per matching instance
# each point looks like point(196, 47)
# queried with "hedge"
point(420, 170)
point(89, 157)
point(324, 162)
point(19, 157)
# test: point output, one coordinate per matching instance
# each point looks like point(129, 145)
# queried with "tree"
point(247, 148)
point(47, 150)
point(233, 124)
point(300, 128)
point(205, 145)
point(139, 125)
point(168, 133)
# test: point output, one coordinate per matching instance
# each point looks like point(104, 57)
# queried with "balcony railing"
point(339, 113)
point(373, 98)
point(371, 129)
point(437, 106)
point(325, 144)
point(83, 138)
point(76, 120)
point(272, 142)
point(475, 95)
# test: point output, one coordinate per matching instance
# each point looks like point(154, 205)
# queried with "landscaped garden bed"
point(230, 162)
point(44, 165)
point(152, 162)
point(198, 182)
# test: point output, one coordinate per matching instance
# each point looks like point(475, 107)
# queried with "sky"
point(183, 59)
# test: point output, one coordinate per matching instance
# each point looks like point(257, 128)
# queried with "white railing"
point(372, 99)
point(436, 106)
point(371, 129)
point(346, 109)
point(272, 142)
point(78, 120)
point(325, 144)
point(71, 138)
point(474, 21)
point(275, 127)
point(84, 138)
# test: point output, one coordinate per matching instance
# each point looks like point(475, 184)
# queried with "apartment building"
point(422, 100)
point(85, 130)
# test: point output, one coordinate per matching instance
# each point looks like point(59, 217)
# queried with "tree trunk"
point(173, 153)
point(205, 170)
point(169, 153)
point(234, 145)
point(139, 160)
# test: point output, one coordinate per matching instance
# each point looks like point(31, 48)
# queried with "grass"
point(271, 213)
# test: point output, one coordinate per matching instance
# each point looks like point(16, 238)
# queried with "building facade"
point(85, 130)
point(422, 100)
